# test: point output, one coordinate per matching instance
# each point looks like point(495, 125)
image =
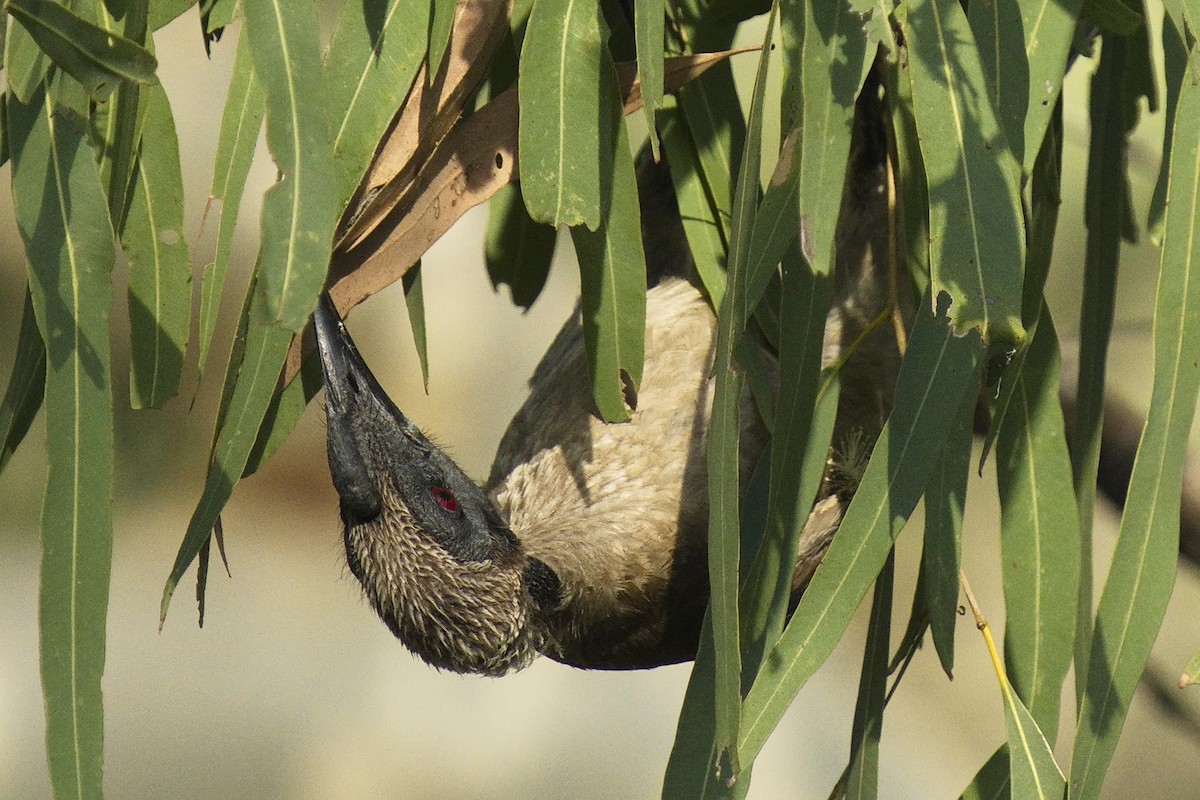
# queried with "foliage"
point(373, 174)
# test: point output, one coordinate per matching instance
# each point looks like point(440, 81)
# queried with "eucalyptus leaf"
point(63, 218)
point(97, 58)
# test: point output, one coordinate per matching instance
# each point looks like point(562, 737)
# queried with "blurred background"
point(293, 689)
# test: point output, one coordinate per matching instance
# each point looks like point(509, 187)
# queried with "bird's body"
point(588, 541)
point(620, 511)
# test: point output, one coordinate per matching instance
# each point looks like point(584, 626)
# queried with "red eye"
point(445, 498)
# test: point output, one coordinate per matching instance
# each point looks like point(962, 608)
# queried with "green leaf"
point(283, 413)
point(1039, 533)
point(701, 226)
point(299, 212)
point(250, 386)
point(945, 499)
point(1175, 56)
point(160, 275)
point(992, 781)
point(1112, 15)
point(518, 251)
point(63, 219)
point(1139, 583)
point(612, 273)
point(1113, 113)
point(97, 58)
point(26, 385)
point(372, 60)
point(414, 298)
point(724, 436)
point(24, 62)
point(829, 66)
point(441, 20)
point(939, 370)
point(977, 235)
point(797, 447)
point(1033, 772)
point(1024, 46)
point(166, 11)
point(863, 778)
point(649, 28)
point(241, 122)
point(562, 168)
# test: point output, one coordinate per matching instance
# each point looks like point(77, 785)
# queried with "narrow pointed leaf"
point(160, 275)
point(299, 212)
point(862, 782)
point(26, 385)
point(706, 241)
point(263, 353)
point(612, 267)
point(938, 371)
point(441, 20)
point(1039, 533)
point(97, 58)
point(1024, 46)
point(834, 59)
point(414, 298)
point(977, 240)
point(24, 62)
point(1033, 772)
point(517, 250)
point(1113, 112)
point(372, 60)
point(1139, 583)
point(945, 499)
point(241, 122)
point(560, 91)
point(63, 218)
point(1175, 57)
point(724, 442)
point(649, 28)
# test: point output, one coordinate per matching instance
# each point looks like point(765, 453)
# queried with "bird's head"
point(433, 554)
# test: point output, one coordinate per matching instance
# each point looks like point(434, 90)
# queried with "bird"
point(587, 542)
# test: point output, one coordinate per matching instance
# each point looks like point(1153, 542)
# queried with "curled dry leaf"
point(429, 113)
point(401, 219)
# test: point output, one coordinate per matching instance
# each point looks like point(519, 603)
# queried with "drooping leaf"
point(26, 385)
point(299, 213)
point(241, 122)
point(1139, 583)
point(863, 777)
point(160, 275)
point(1033, 772)
point(939, 369)
point(945, 499)
point(97, 58)
point(63, 218)
point(250, 386)
point(977, 241)
point(828, 68)
point(414, 298)
point(441, 19)
point(724, 436)
point(562, 170)
point(1025, 46)
point(1039, 533)
point(649, 28)
point(1113, 16)
point(517, 250)
point(370, 64)
point(1113, 113)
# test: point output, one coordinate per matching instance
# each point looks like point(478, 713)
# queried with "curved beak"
point(350, 390)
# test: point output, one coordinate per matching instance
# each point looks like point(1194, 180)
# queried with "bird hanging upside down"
point(588, 542)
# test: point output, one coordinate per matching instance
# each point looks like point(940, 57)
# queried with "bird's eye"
point(445, 498)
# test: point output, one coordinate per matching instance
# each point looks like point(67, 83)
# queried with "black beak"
point(350, 390)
